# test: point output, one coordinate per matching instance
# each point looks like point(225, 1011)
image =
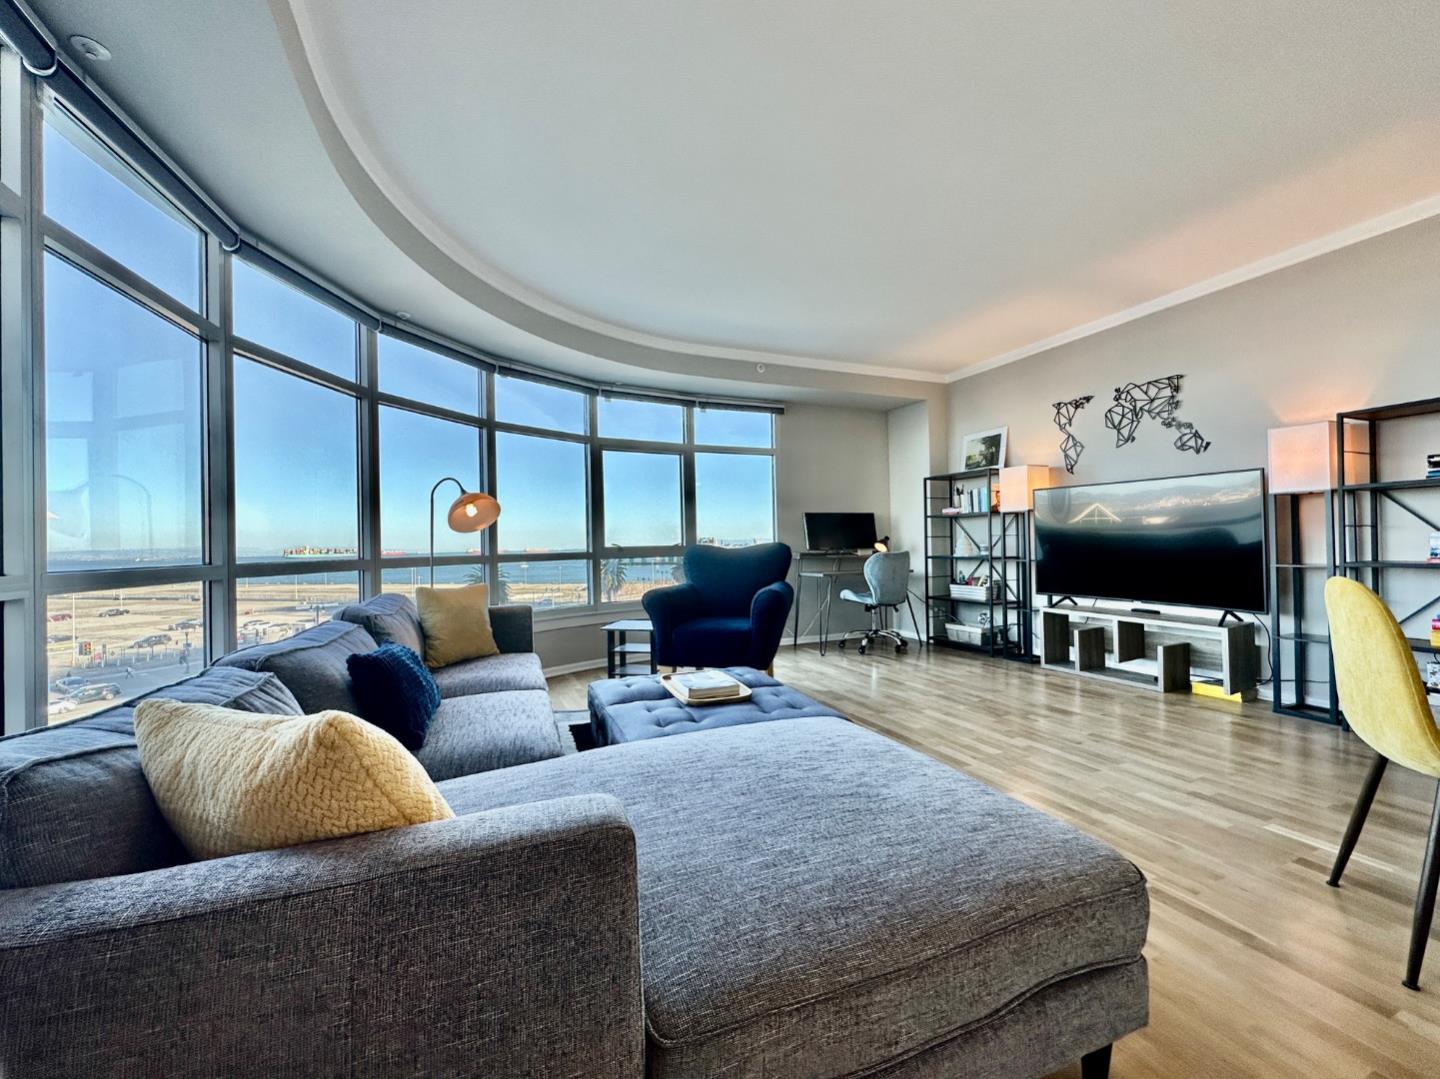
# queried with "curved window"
point(421, 375)
point(271, 313)
point(122, 429)
point(541, 485)
point(296, 477)
point(734, 498)
point(417, 451)
point(539, 404)
point(642, 499)
point(91, 192)
point(206, 490)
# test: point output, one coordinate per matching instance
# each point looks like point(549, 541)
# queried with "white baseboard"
point(593, 664)
point(573, 668)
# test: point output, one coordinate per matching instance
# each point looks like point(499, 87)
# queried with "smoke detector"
point(89, 48)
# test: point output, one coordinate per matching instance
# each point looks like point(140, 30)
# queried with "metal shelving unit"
point(1291, 653)
point(1360, 508)
point(1002, 556)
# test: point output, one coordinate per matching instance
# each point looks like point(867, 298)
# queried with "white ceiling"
point(909, 189)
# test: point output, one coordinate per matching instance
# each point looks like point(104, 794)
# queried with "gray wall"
point(1355, 327)
point(1359, 326)
point(826, 459)
point(831, 459)
point(917, 440)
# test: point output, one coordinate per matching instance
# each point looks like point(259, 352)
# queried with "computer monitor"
point(839, 531)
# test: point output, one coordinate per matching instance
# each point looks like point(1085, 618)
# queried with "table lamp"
point(1302, 458)
point(1019, 483)
point(472, 511)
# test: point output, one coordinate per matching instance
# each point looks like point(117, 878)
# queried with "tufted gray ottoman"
point(629, 709)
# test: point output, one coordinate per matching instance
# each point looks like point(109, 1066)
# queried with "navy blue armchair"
point(730, 612)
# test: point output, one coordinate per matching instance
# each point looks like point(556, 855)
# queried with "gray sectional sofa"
point(793, 899)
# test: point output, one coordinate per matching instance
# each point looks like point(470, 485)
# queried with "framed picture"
point(984, 449)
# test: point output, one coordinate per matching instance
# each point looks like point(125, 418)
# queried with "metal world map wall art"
point(1157, 399)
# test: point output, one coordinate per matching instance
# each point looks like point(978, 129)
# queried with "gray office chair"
point(888, 578)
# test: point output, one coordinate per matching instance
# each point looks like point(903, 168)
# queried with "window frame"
point(27, 235)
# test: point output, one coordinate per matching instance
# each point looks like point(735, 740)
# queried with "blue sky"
point(124, 432)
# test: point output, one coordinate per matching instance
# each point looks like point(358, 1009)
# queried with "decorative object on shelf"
point(1157, 399)
point(1432, 466)
point(1070, 446)
point(1019, 483)
point(984, 449)
point(1434, 548)
point(1435, 632)
point(1432, 674)
point(472, 511)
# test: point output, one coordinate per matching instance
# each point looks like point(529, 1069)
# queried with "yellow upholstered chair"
point(1385, 704)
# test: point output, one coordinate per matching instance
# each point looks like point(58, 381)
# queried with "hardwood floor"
point(1256, 967)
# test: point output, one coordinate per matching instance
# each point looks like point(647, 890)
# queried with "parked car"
point(61, 616)
point(95, 691)
point(67, 684)
point(58, 638)
point(152, 639)
point(256, 623)
point(185, 623)
point(112, 612)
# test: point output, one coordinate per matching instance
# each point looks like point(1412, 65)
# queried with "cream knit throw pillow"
point(231, 781)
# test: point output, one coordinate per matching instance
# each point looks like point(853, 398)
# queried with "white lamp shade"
point(1302, 458)
point(1019, 483)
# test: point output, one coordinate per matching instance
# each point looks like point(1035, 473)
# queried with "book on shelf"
point(708, 685)
point(1434, 555)
point(1435, 632)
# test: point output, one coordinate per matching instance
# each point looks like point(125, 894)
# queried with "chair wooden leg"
point(1425, 900)
point(1357, 818)
point(1096, 1065)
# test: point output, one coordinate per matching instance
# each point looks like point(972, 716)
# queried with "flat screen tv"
point(1186, 541)
point(839, 531)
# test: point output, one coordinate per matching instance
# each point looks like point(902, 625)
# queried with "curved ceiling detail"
point(431, 246)
point(915, 192)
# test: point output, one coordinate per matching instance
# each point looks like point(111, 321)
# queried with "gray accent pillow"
point(387, 618)
point(311, 664)
point(74, 803)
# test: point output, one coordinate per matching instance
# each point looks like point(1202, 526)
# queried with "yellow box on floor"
point(229, 782)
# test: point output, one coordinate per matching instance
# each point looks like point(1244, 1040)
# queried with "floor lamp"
point(472, 511)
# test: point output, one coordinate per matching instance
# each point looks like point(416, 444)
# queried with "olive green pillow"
point(456, 622)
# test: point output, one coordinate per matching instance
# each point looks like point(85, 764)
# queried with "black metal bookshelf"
point(1001, 556)
point(1360, 509)
point(1295, 654)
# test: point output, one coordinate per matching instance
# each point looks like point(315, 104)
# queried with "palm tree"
point(497, 590)
point(612, 578)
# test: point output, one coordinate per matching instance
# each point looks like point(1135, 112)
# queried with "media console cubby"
point(1093, 641)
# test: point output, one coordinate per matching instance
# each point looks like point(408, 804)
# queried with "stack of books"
point(708, 685)
point(1432, 466)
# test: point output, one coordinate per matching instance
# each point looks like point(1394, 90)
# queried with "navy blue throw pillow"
point(395, 691)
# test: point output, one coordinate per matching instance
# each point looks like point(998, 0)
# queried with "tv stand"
point(1096, 641)
point(1225, 616)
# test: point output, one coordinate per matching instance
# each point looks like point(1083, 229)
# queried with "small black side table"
point(618, 649)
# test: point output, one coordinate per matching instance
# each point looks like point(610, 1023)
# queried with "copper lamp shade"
point(472, 511)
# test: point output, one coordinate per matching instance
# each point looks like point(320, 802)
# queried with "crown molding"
point(1324, 245)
